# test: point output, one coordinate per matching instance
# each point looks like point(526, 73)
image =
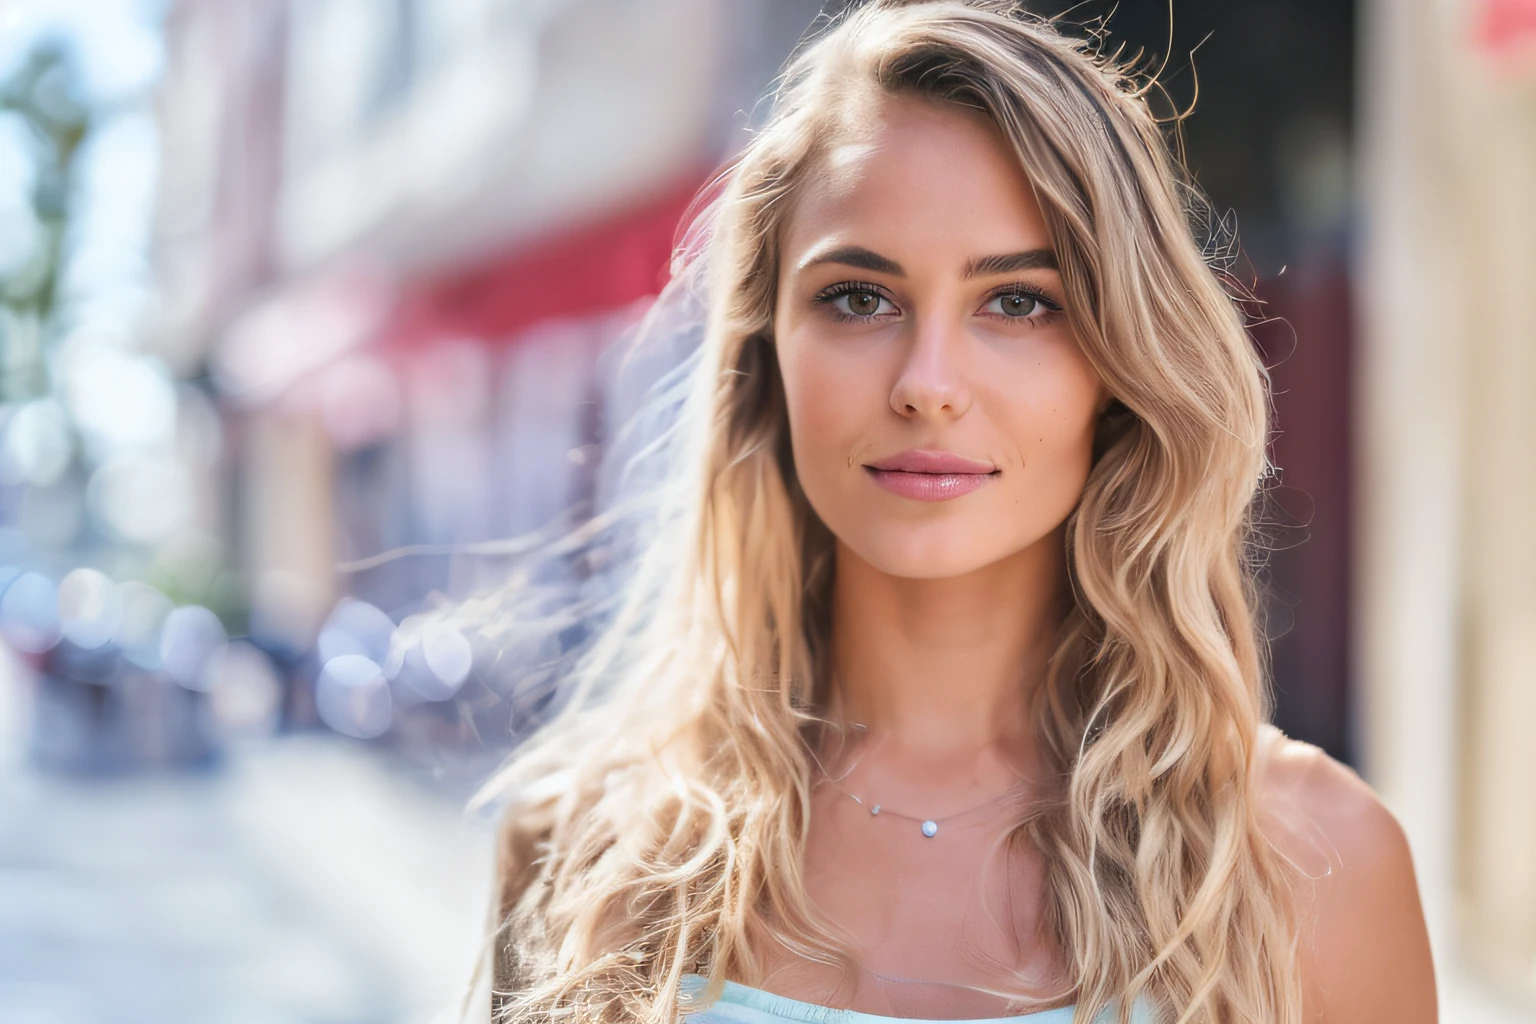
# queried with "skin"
point(943, 610)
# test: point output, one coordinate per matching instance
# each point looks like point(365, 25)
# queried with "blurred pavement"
point(308, 882)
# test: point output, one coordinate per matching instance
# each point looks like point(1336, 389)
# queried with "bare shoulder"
point(1317, 807)
point(1364, 948)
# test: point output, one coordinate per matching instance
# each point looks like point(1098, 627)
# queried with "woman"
point(936, 689)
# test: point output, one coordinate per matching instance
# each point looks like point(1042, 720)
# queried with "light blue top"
point(742, 1004)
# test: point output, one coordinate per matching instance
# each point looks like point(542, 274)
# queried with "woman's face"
point(941, 411)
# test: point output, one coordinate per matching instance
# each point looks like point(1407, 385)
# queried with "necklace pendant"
point(930, 829)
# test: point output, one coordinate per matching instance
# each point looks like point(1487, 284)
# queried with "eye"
point(1021, 304)
point(853, 301)
point(860, 303)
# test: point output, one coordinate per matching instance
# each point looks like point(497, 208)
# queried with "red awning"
point(588, 270)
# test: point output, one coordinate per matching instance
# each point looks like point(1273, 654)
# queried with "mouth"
point(924, 475)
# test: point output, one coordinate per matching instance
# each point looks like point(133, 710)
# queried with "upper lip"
point(919, 460)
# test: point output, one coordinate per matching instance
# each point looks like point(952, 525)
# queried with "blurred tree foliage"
point(44, 92)
point(46, 96)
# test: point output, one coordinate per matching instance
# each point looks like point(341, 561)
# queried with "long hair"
point(655, 825)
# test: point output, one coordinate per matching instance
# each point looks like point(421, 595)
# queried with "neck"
point(944, 669)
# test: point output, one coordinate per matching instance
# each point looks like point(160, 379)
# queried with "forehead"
point(918, 177)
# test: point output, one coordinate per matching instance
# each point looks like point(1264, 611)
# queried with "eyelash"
point(827, 295)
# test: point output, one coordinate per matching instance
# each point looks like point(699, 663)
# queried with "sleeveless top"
point(742, 1004)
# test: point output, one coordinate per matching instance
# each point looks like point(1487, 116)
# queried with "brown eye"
point(1021, 306)
point(858, 303)
point(863, 303)
point(1018, 305)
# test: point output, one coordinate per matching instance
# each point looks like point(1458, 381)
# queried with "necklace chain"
point(929, 826)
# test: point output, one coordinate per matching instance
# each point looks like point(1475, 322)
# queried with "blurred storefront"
point(398, 238)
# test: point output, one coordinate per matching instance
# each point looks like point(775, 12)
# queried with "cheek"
point(1050, 410)
point(809, 389)
point(828, 394)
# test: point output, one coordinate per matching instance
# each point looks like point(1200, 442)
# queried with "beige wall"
point(1498, 243)
point(1446, 422)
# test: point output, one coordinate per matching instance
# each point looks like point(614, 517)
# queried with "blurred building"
point(1445, 433)
point(398, 235)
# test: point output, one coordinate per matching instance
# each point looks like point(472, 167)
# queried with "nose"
point(931, 383)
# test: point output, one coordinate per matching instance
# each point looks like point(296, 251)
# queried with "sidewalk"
point(310, 883)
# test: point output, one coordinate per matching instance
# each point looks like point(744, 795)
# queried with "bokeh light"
point(29, 613)
point(141, 498)
point(431, 659)
point(356, 627)
point(190, 639)
point(353, 697)
point(145, 610)
point(90, 608)
point(36, 445)
point(245, 691)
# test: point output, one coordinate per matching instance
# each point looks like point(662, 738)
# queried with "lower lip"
point(928, 486)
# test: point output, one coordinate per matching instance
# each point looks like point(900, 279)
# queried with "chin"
point(924, 553)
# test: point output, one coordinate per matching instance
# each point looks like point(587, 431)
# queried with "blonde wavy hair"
point(654, 826)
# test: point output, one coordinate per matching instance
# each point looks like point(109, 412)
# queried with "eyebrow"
point(981, 266)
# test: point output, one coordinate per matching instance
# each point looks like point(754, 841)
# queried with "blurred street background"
point(287, 285)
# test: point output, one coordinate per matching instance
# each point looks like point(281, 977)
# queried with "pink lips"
point(930, 475)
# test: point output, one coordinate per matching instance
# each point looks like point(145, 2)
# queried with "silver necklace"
point(929, 826)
